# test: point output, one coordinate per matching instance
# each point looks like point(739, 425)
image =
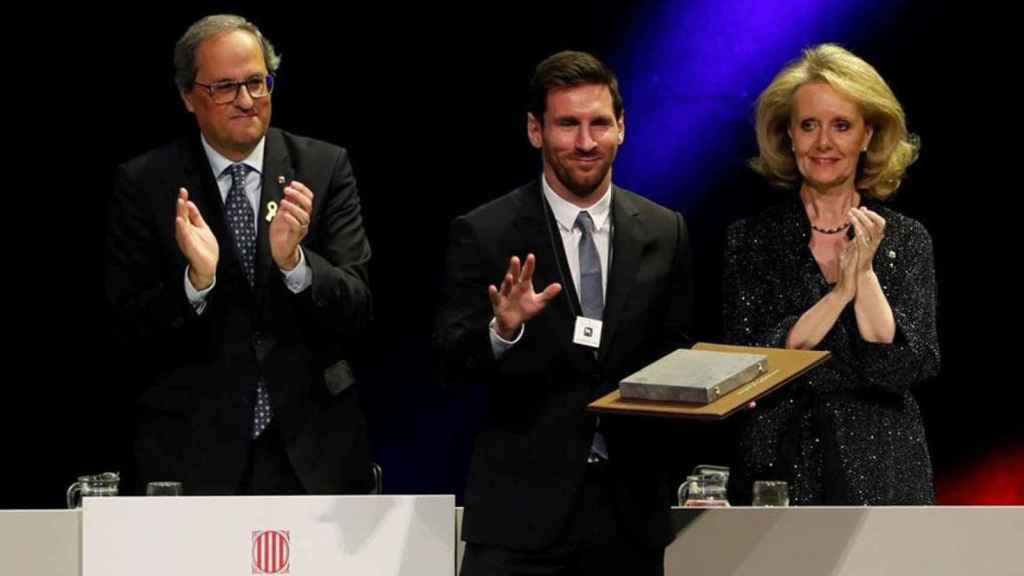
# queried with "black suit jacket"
point(530, 456)
point(198, 372)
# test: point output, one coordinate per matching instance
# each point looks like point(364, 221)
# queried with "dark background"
point(429, 102)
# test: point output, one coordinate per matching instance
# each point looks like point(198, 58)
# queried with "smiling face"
point(828, 133)
point(579, 136)
point(235, 128)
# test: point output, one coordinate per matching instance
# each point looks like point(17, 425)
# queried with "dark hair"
point(565, 70)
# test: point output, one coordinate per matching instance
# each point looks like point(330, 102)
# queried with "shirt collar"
point(566, 212)
point(219, 163)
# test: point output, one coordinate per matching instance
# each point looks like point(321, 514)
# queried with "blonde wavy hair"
point(891, 149)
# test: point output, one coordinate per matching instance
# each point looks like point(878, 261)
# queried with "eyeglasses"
point(227, 92)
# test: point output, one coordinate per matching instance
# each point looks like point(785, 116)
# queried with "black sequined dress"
point(849, 432)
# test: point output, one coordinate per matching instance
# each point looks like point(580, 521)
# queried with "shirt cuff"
point(197, 298)
point(498, 344)
point(299, 278)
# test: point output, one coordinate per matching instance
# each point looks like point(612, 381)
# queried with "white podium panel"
point(295, 535)
point(877, 541)
point(40, 542)
point(841, 541)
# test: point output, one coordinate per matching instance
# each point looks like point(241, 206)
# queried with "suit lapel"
point(628, 240)
point(540, 236)
point(202, 187)
point(276, 165)
point(203, 191)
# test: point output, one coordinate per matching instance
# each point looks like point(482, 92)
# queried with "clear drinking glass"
point(771, 493)
point(163, 489)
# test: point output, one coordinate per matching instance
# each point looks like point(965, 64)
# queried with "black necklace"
point(831, 230)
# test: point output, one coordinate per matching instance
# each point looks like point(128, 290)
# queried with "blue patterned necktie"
point(242, 222)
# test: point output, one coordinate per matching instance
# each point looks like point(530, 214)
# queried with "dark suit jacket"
point(530, 456)
point(198, 377)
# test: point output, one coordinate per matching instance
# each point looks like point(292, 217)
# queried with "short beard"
point(577, 188)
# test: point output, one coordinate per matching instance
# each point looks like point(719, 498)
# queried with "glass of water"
point(771, 493)
point(163, 489)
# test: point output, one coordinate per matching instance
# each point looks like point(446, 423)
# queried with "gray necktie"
point(591, 290)
point(242, 223)
point(592, 301)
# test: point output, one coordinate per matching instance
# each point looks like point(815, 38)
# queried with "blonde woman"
point(833, 268)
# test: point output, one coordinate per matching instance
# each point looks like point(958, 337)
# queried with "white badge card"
point(587, 332)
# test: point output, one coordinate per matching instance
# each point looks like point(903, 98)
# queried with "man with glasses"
point(237, 264)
